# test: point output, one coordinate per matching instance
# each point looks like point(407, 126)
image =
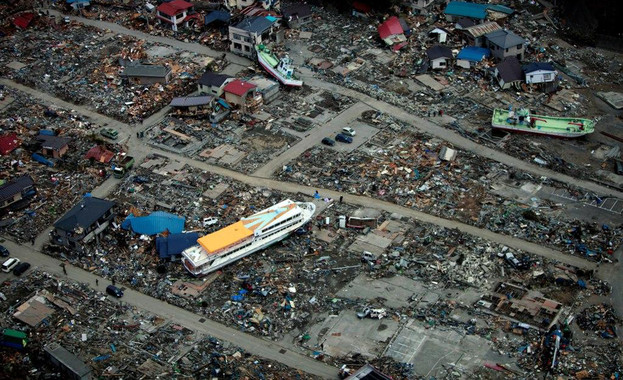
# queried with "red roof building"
point(238, 87)
point(177, 12)
point(9, 143)
point(100, 154)
point(175, 7)
point(23, 20)
point(392, 33)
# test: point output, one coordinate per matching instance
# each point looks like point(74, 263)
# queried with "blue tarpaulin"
point(154, 223)
point(174, 244)
point(223, 103)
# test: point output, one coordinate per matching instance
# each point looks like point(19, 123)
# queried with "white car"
point(348, 131)
point(209, 221)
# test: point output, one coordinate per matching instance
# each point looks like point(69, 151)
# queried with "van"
point(10, 264)
point(114, 291)
point(21, 268)
point(368, 256)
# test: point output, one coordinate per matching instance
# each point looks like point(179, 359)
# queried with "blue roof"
point(536, 66)
point(217, 16)
point(174, 244)
point(471, 10)
point(154, 223)
point(473, 53)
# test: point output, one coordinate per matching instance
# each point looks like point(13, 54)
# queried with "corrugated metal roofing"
point(154, 223)
point(482, 29)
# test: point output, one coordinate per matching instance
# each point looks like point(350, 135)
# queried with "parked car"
point(343, 138)
point(3, 251)
point(114, 291)
point(328, 141)
point(109, 133)
point(209, 221)
point(11, 263)
point(21, 268)
point(348, 131)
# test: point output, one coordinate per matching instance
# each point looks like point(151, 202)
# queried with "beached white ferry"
point(246, 236)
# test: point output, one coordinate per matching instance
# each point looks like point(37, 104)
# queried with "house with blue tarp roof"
point(154, 223)
point(471, 55)
point(173, 245)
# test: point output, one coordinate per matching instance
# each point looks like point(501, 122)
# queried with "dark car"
point(328, 141)
point(3, 251)
point(21, 268)
point(343, 138)
point(140, 179)
point(114, 291)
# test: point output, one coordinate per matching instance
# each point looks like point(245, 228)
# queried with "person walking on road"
point(97, 282)
point(64, 269)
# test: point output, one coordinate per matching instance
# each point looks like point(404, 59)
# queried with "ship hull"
point(257, 244)
point(563, 127)
point(275, 73)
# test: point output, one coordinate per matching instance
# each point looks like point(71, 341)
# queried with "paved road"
point(187, 46)
point(313, 137)
point(249, 343)
point(140, 150)
point(459, 141)
point(419, 123)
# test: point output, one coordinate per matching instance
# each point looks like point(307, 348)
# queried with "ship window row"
point(278, 230)
point(280, 223)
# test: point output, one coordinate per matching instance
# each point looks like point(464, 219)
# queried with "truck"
point(122, 167)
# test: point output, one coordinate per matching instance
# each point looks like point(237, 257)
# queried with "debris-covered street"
point(285, 190)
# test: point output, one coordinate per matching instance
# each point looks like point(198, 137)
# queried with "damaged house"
point(84, 222)
point(508, 73)
point(175, 13)
point(439, 57)
point(17, 192)
point(250, 32)
point(146, 74)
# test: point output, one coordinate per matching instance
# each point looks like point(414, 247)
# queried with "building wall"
point(174, 21)
point(499, 53)
point(465, 63)
point(540, 76)
point(439, 63)
point(234, 99)
point(242, 42)
point(210, 90)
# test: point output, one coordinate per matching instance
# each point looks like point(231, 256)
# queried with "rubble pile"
point(240, 145)
point(57, 187)
point(601, 319)
point(86, 63)
point(114, 339)
point(408, 169)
